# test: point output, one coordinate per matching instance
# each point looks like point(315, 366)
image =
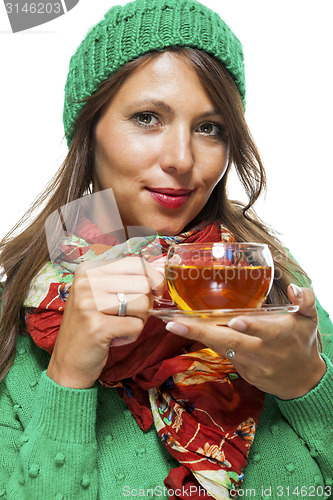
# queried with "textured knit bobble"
point(85, 481)
point(33, 470)
point(23, 439)
point(290, 467)
point(143, 26)
point(317, 480)
point(60, 459)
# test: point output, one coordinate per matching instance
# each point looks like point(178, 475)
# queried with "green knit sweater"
point(72, 444)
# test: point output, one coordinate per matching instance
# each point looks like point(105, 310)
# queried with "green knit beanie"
point(142, 26)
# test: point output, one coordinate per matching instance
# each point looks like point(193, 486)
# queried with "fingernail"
point(237, 324)
point(176, 328)
point(297, 291)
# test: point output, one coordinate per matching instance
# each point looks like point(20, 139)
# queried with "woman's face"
point(161, 146)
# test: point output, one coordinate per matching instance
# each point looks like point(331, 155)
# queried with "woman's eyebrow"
point(166, 107)
point(157, 103)
point(213, 112)
point(161, 104)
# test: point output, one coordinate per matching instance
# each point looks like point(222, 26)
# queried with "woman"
point(154, 111)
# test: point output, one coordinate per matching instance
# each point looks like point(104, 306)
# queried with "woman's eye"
point(211, 129)
point(146, 119)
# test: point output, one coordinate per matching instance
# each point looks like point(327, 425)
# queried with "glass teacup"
point(203, 276)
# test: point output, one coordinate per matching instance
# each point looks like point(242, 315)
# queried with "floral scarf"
point(203, 411)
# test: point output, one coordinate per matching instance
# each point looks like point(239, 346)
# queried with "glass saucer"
point(221, 316)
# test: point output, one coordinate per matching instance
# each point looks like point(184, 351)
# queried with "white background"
point(288, 53)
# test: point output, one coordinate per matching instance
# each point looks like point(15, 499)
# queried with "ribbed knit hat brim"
point(139, 27)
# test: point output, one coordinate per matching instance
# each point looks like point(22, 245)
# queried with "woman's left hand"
point(278, 354)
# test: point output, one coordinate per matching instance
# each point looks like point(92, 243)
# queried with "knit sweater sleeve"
point(311, 416)
point(54, 454)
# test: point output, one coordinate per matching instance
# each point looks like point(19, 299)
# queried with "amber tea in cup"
point(203, 276)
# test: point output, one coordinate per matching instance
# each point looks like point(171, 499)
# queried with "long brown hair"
point(23, 255)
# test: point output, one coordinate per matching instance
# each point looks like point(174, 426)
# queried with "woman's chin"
point(161, 229)
point(170, 229)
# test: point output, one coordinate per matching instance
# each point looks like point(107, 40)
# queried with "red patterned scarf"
point(205, 414)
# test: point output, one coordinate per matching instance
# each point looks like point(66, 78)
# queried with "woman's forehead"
point(164, 72)
point(165, 81)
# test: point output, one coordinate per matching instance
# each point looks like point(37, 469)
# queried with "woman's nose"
point(176, 155)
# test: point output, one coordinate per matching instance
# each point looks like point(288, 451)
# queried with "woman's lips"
point(170, 198)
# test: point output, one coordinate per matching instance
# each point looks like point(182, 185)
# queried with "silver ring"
point(122, 304)
point(230, 354)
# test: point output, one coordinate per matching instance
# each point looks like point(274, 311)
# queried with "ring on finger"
point(122, 304)
point(230, 353)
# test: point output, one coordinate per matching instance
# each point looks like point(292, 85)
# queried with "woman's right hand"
point(91, 323)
